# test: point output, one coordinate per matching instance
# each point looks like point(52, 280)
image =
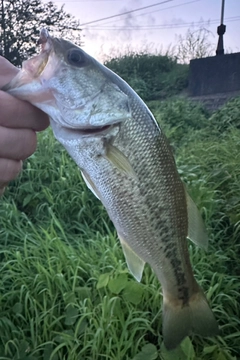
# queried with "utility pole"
point(221, 29)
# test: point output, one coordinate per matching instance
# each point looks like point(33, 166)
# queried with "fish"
point(127, 162)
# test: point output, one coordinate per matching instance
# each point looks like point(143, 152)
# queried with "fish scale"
point(144, 208)
point(127, 162)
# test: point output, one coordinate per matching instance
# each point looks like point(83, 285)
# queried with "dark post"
point(221, 31)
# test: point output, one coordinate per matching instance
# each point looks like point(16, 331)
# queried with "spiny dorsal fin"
point(119, 160)
point(196, 228)
point(134, 262)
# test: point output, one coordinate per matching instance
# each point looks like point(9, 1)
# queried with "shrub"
point(151, 76)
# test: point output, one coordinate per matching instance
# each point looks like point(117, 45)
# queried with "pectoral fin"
point(134, 262)
point(89, 183)
point(119, 160)
point(196, 229)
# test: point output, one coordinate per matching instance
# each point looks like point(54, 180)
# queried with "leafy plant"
point(22, 21)
point(153, 76)
point(66, 292)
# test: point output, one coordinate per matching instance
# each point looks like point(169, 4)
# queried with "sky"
point(155, 27)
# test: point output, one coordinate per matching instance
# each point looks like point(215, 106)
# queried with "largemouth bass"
point(126, 161)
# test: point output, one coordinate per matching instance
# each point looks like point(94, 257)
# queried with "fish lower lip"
point(91, 131)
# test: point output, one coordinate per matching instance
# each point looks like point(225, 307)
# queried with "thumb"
point(7, 71)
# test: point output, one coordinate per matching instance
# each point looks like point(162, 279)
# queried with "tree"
point(22, 21)
point(193, 45)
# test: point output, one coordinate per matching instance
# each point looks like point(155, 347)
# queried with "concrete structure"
point(216, 77)
point(216, 74)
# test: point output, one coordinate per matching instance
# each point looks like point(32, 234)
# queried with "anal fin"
point(134, 262)
point(196, 229)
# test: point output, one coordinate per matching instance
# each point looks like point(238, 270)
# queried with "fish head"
point(74, 89)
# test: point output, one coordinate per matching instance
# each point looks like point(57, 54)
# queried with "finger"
point(17, 144)
point(9, 169)
point(17, 113)
point(8, 71)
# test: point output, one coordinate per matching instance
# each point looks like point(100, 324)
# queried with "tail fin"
point(180, 320)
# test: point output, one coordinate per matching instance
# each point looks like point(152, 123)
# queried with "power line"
point(126, 12)
point(161, 27)
point(150, 12)
point(233, 18)
point(76, 1)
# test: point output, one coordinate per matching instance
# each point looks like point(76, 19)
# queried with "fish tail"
point(180, 320)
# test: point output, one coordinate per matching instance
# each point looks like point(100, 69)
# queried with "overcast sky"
point(157, 26)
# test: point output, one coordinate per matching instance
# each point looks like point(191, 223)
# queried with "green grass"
point(65, 292)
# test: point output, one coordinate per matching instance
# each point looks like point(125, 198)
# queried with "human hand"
point(19, 121)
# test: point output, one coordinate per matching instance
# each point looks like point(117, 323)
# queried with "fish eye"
point(76, 57)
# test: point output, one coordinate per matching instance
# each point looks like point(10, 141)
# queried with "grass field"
point(65, 291)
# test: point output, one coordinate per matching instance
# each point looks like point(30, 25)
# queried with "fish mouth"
point(93, 130)
point(43, 38)
point(37, 64)
point(34, 67)
point(72, 133)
